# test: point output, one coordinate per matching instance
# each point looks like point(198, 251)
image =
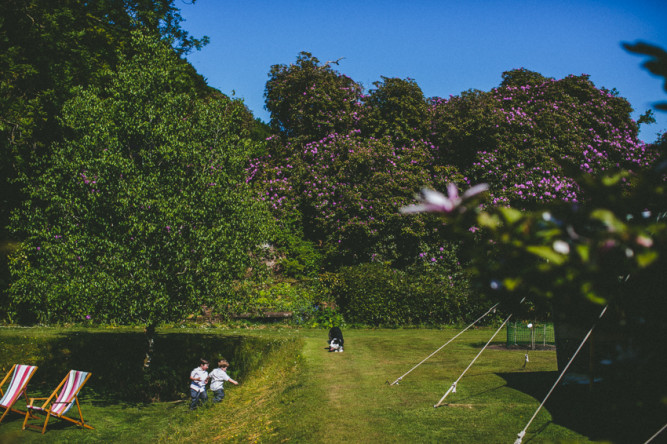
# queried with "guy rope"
point(522, 433)
point(447, 343)
point(453, 386)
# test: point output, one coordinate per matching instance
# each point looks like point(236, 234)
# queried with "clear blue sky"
point(447, 46)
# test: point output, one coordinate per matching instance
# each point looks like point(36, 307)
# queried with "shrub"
point(378, 295)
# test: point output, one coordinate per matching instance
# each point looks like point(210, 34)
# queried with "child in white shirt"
point(198, 380)
point(218, 377)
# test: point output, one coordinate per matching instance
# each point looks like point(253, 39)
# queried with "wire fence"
point(527, 334)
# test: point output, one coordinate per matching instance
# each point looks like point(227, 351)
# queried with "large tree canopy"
point(47, 49)
point(346, 161)
point(308, 101)
point(517, 137)
point(141, 213)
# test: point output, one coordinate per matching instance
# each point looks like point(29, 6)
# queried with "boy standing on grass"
point(218, 377)
point(198, 380)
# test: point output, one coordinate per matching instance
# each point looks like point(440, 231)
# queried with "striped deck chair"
point(61, 400)
point(20, 375)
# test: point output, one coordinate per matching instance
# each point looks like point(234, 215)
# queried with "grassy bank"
point(294, 391)
point(113, 401)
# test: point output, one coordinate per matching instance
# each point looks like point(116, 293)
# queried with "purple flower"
point(435, 202)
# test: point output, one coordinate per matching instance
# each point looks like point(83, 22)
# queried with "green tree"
point(308, 101)
point(397, 108)
point(46, 49)
point(141, 214)
point(516, 137)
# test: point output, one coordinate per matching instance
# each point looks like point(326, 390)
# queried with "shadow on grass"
point(116, 361)
point(477, 394)
point(600, 412)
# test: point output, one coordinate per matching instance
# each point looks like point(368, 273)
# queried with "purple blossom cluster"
point(523, 183)
point(528, 130)
point(90, 182)
point(348, 185)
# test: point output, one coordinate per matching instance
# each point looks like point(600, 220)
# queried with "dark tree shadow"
point(602, 411)
point(116, 362)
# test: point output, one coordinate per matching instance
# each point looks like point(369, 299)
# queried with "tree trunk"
point(150, 339)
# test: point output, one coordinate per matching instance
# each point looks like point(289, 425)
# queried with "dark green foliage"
point(141, 214)
point(396, 108)
point(375, 294)
point(308, 101)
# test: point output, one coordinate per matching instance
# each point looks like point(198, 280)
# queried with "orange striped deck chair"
point(60, 402)
point(20, 375)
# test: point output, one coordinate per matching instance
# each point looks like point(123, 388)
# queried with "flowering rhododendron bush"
point(528, 140)
point(142, 214)
point(347, 189)
point(517, 137)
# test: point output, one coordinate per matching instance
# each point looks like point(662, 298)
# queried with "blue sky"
point(447, 46)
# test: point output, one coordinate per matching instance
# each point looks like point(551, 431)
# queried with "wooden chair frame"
point(17, 386)
point(47, 406)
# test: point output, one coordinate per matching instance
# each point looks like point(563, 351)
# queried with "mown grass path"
point(346, 397)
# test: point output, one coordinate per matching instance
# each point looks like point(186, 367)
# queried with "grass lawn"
point(297, 392)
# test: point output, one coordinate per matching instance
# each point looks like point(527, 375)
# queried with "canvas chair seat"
point(60, 402)
point(20, 376)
